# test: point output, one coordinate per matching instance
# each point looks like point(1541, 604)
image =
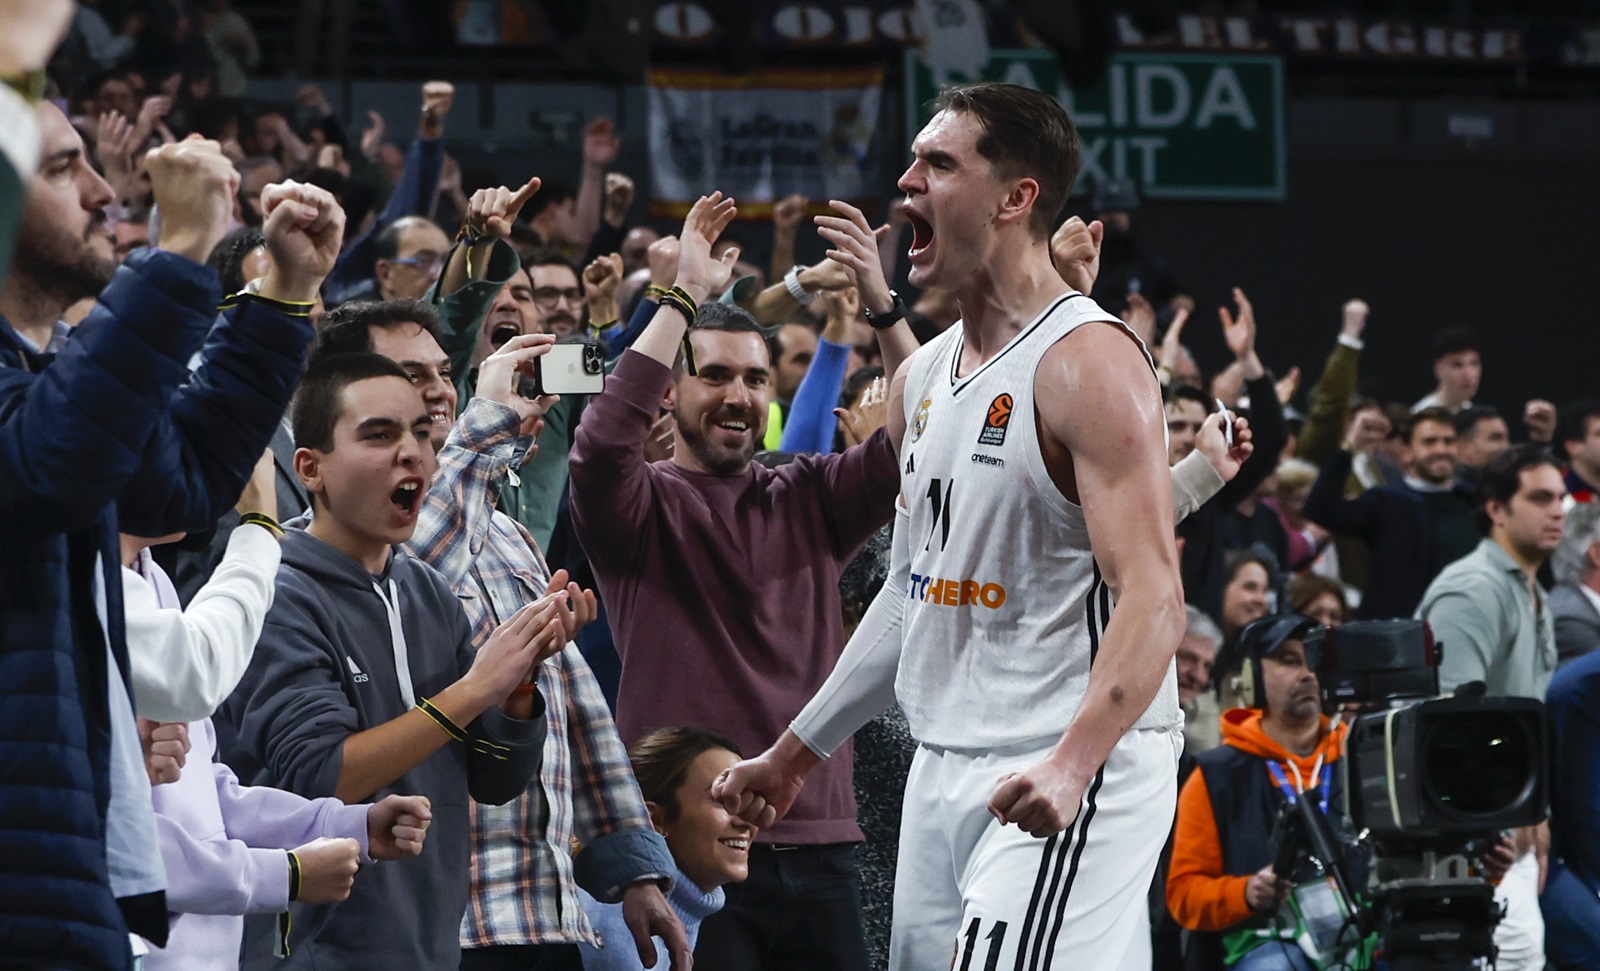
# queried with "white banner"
point(763, 136)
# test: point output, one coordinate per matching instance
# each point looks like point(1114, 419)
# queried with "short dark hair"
point(1454, 340)
point(1235, 560)
point(1435, 414)
point(1184, 392)
point(730, 317)
point(551, 192)
point(662, 758)
point(317, 402)
point(1467, 419)
point(857, 383)
point(1502, 476)
point(1573, 425)
point(1025, 133)
point(347, 328)
point(549, 256)
point(227, 257)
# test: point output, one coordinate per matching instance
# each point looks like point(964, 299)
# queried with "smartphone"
point(1227, 422)
point(575, 365)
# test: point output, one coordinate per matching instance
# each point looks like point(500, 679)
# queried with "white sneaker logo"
point(355, 672)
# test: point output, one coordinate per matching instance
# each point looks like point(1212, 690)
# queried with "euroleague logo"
point(995, 422)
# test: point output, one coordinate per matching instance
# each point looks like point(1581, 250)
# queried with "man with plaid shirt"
point(524, 910)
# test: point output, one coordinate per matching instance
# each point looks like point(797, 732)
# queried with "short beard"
point(715, 460)
point(57, 266)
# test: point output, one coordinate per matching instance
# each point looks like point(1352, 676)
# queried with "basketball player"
point(1035, 493)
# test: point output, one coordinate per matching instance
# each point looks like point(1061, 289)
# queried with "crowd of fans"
point(505, 640)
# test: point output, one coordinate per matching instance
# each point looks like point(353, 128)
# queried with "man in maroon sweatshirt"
point(721, 577)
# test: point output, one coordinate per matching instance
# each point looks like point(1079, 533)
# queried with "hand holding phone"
point(1227, 422)
point(575, 365)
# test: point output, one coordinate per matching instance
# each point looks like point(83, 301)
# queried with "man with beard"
point(1221, 879)
point(1414, 529)
point(94, 437)
point(557, 295)
point(722, 577)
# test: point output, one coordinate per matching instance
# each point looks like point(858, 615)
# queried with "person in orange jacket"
point(1221, 878)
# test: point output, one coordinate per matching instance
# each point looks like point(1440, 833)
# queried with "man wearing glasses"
point(557, 297)
point(411, 253)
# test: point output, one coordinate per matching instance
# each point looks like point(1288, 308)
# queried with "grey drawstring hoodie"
point(326, 668)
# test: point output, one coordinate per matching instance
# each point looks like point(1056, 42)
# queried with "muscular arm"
point(1117, 462)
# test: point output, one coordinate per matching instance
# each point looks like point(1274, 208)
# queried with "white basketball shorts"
point(971, 895)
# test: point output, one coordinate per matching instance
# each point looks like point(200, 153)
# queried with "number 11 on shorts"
point(996, 939)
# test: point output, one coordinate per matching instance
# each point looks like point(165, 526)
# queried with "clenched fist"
point(166, 746)
point(1075, 247)
point(327, 869)
point(304, 229)
point(194, 185)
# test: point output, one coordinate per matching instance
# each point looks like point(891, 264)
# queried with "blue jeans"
point(525, 957)
point(1571, 920)
point(1275, 956)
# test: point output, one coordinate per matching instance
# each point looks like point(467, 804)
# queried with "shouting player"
point(1035, 495)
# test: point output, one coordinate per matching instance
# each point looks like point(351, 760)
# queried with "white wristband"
point(791, 281)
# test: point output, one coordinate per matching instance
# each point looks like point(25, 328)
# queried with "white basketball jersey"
point(1006, 604)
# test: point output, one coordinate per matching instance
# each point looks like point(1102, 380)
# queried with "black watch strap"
point(884, 321)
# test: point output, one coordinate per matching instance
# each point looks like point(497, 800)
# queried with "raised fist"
point(194, 185)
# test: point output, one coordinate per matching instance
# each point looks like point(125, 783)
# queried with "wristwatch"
point(894, 315)
point(791, 281)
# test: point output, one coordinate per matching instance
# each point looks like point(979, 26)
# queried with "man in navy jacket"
point(86, 420)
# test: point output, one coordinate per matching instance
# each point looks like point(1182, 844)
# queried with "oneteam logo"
point(957, 593)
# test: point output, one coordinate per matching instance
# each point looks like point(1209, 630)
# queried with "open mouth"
point(921, 233)
point(503, 331)
point(406, 497)
point(740, 844)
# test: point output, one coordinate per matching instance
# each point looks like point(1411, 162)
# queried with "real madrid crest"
point(919, 421)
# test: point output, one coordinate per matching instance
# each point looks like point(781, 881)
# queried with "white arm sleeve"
point(861, 686)
point(184, 663)
point(1194, 480)
point(19, 135)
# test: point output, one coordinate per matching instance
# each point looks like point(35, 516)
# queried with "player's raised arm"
point(1121, 480)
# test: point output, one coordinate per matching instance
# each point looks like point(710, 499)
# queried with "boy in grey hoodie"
point(365, 681)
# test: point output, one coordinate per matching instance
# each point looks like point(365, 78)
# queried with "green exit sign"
point(1183, 126)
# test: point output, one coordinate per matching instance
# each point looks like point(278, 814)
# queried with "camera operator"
point(1221, 878)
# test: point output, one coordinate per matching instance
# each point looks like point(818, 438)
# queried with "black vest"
point(1245, 804)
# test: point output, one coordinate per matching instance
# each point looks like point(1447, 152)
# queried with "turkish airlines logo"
point(994, 424)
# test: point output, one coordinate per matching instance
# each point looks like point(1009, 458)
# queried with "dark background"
point(1430, 232)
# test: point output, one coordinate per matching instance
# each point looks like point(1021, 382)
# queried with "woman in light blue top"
point(675, 768)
